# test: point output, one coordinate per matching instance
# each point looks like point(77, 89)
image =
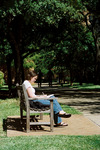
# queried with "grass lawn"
point(10, 107)
point(88, 86)
point(56, 142)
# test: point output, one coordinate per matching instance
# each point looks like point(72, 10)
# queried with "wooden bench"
point(24, 106)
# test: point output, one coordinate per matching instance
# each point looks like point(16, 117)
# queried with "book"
point(50, 95)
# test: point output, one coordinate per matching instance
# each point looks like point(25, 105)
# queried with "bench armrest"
point(42, 98)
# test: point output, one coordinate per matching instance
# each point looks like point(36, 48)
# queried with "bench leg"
point(51, 116)
point(41, 116)
point(21, 113)
point(27, 122)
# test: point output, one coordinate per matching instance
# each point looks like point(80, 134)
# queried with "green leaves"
point(50, 11)
point(92, 5)
point(1, 78)
point(52, 28)
point(29, 63)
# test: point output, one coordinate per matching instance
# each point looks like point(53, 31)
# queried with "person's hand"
point(42, 96)
point(45, 96)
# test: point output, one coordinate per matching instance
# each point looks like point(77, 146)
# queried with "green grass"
point(10, 107)
point(69, 109)
point(88, 86)
point(54, 142)
point(84, 86)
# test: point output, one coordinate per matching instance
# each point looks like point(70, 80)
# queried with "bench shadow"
point(15, 123)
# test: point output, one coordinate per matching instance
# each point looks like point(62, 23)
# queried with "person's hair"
point(31, 74)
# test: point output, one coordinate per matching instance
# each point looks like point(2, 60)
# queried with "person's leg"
point(59, 110)
point(57, 119)
point(56, 105)
point(56, 108)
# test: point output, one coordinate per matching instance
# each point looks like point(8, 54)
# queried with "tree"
point(21, 30)
point(92, 17)
point(42, 26)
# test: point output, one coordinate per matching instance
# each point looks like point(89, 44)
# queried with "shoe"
point(61, 124)
point(65, 115)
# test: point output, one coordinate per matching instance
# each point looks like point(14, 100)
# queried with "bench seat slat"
point(45, 111)
point(39, 123)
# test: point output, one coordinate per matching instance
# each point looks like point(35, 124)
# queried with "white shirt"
point(28, 85)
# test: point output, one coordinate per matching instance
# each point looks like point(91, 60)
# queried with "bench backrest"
point(22, 94)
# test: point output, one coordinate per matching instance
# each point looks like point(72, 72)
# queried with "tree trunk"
point(15, 41)
point(17, 59)
point(18, 67)
point(71, 77)
point(96, 32)
point(8, 60)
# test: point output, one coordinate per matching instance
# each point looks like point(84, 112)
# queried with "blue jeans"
point(56, 108)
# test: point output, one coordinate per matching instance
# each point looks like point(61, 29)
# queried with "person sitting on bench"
point(58, 111)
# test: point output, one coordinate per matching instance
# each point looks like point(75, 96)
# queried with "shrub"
point(1, 78)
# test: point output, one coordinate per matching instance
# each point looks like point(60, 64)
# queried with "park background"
point(58, 35)
point(62, 36)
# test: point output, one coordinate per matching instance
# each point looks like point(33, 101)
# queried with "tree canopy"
point(59, 31)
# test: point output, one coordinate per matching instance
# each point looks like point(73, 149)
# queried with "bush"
point(1, 78)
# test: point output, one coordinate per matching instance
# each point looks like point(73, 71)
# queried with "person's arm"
point(32, 95)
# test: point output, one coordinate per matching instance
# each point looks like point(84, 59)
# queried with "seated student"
point(58, 112)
